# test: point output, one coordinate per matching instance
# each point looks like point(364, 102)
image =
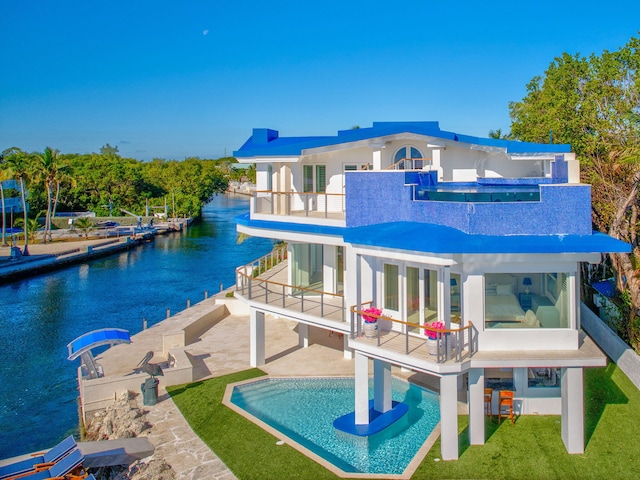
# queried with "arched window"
point(412, 158)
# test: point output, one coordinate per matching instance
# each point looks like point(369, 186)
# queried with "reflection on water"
point(41, 315)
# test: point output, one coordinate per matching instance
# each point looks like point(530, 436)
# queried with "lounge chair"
point(39, 461)
point(71, 463)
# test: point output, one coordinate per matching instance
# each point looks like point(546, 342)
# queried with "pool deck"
point(222, 350)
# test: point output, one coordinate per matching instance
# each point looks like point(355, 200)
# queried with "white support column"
point(257, 338)
point(303, 335)
point(362, 389)
point(572, 386)
point(347, 352)
point(381, 386)
point(476, 406)
point(449, 417)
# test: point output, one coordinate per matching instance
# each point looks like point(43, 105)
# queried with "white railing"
point(307, 204)
point(452, 344)
point(252, 283)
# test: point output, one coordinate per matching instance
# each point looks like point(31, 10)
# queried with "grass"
point(530, 449)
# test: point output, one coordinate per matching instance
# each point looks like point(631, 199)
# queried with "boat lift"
point(81, 347)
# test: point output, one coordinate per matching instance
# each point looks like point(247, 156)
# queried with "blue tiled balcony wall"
point(374, 197)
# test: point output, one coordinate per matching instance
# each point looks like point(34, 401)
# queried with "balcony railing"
point(454, 344)
point(264, 281)
point(310, 204)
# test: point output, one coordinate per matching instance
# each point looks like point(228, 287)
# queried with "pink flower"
point(434, 326)
point(371, 311)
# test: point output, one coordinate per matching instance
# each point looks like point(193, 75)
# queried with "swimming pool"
point(303, 409)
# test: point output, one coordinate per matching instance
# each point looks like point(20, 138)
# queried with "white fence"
point(613, 346)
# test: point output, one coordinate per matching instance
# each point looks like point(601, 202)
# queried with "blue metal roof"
point(439, 239)
point(266, 142)
point(605, 287)
point(96, 338)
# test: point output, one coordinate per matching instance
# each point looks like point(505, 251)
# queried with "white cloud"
point(205, 32)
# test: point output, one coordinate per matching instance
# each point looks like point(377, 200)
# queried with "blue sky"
point(172, 79)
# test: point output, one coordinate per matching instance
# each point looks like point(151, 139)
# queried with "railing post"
point(351, 315)
point(266, 292)
point(302, 301)
point(249, 287)
point(322, 305)
point(406, 339)
point(343, 312)
point(272, 202)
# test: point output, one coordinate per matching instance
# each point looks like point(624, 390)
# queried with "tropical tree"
point(594, 105)
point(84, 224)
point(32, 225)
point(19, 163)
point(47, 171)
point(5, 174)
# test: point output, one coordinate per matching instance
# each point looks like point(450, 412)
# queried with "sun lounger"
point(65, 466)
point(42, 460)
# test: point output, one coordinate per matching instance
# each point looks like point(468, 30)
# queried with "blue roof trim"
point(265, 142)
point(245, 220)
point(438, 239)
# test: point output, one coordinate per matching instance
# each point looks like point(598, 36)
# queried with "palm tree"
point(5, 174)
point(84, 224)
point(47, 166)
point(32, 225)
point(18, 161)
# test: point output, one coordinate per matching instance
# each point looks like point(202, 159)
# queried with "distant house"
point(485, 236)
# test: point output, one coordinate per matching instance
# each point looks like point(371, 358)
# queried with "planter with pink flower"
point(370, 326)
point(433, 336)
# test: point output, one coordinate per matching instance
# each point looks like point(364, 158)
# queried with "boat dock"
point(69, 248)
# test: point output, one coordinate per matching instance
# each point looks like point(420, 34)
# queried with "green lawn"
point(530, 449)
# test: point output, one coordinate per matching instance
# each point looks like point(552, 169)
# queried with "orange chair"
point(488, 402)
point(505, 405)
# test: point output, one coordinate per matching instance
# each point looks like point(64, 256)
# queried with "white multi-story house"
point(485, 236)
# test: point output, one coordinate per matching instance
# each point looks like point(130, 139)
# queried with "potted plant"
point(433, 337)
point(370, 317)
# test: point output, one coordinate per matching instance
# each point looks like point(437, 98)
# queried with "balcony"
point(264, 282)
point(300, 207)
point(450, 347)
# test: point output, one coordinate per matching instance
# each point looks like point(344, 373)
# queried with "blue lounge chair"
point(64, 467)
point(30, 464)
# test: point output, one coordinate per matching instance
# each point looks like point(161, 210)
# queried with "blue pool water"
point(304, 410)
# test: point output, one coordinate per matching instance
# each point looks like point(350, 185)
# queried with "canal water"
point(39, 316)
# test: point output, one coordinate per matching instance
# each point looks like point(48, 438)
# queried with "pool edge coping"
point(405, 475)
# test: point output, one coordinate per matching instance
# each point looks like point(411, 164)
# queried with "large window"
point(314, 176)
point(543, 377)
point(411, 155)
point(527, 300)
point(306, 268)
point(391, 287)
